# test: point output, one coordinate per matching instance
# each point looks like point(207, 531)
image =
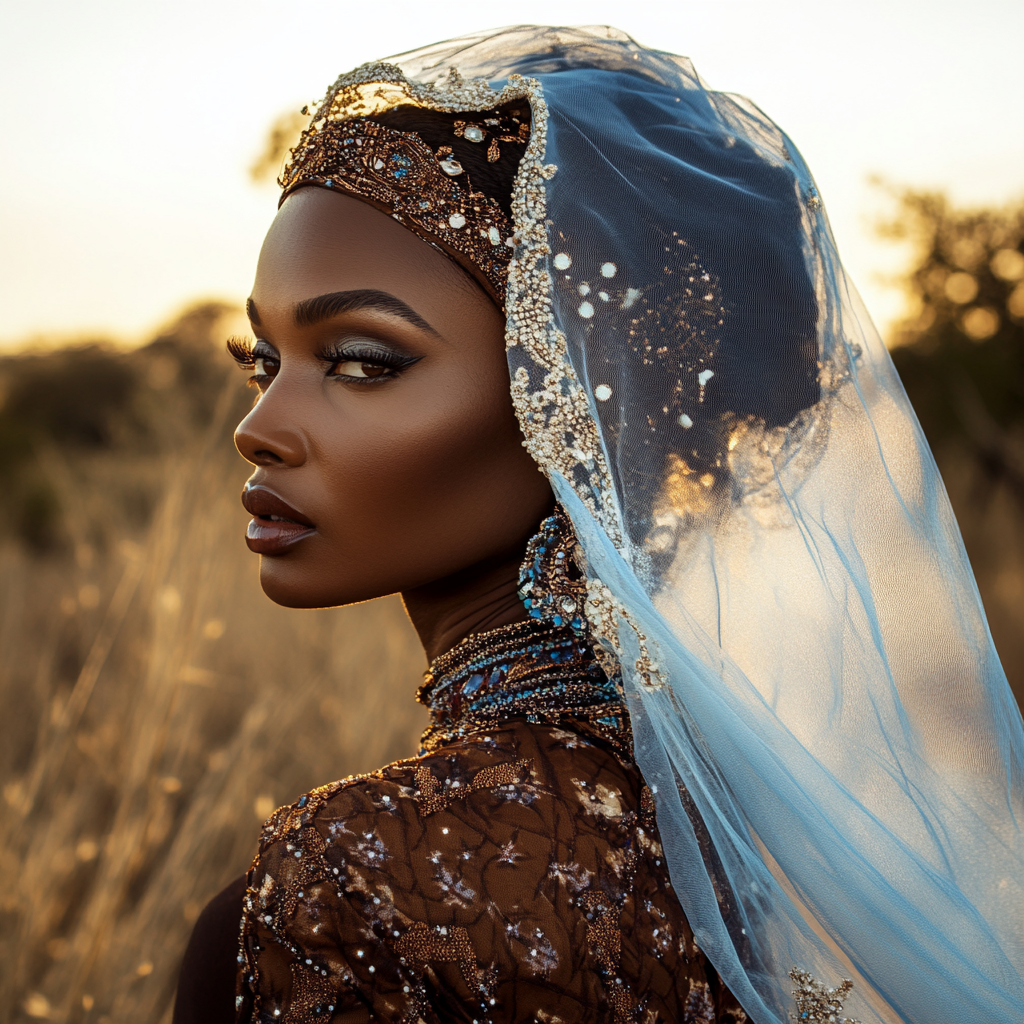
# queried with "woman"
point(731, 741)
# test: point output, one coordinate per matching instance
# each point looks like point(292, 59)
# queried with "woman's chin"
point(287, 582)
point(294, 583)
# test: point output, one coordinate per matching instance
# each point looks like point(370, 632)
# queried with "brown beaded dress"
point(511, 872)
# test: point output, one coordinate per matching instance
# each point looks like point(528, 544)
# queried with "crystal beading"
point(398, 173)
point(530, 670)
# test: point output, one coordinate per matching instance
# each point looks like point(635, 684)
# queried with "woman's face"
point(385, 445)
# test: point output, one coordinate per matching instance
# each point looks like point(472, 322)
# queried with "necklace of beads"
point(529, 670)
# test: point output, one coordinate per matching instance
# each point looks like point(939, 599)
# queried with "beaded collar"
point(530, 670)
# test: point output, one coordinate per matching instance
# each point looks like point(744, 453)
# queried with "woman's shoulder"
point(457, 857)
point(479, 790)
point(389, 799)
point(516, 763)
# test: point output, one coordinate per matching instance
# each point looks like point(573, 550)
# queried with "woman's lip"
point(262, 502)
point(275, 536)
point(276, 526)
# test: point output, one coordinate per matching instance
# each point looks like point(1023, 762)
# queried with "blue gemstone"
point(303, 800)
point(473, 683)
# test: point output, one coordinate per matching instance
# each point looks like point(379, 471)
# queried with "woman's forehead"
point(323, 242)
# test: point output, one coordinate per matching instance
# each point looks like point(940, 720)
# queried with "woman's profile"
point(554, 341)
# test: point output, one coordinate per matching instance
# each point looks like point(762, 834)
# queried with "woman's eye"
point(264, 366)
point(359, 369)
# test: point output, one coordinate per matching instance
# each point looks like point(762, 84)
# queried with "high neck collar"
point(529, 670)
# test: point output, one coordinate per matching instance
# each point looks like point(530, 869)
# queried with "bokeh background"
point(154, 706)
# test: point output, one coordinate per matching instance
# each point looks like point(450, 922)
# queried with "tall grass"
point(157, 707)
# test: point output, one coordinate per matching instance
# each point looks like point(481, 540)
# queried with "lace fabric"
point(771, 555)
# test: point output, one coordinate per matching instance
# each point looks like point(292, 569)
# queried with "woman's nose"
point(269, 436)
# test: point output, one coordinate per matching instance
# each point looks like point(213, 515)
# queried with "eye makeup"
point(356, 360)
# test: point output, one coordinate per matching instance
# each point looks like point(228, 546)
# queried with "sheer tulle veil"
point(771, 556)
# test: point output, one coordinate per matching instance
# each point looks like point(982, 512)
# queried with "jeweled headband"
point(397, 172)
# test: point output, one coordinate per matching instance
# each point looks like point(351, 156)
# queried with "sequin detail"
point(398, 173)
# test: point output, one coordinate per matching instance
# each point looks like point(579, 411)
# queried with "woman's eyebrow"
point(322, 307)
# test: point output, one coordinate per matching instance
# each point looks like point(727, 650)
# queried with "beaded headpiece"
point(397, 172)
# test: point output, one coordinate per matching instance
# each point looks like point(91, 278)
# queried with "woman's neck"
point(477, 599)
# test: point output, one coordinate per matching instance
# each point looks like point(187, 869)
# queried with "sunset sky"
point(128, 125)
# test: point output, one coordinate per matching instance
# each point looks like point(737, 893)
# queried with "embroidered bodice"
point(510, 873)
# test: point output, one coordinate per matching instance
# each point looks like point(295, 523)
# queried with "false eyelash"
point(241, 350)
point(379, 356)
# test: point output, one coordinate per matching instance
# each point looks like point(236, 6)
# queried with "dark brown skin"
point(412, 474)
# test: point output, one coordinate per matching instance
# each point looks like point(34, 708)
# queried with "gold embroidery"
point(433, 797)
point(311, 868)
point(399, 173)
point(421, 944)
point(312, 997)
point(604, 936)
point(816, 1004)
point(502, 774)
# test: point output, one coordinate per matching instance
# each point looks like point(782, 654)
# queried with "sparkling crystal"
point(456, 220)
point(451, 166)
point(473, 133)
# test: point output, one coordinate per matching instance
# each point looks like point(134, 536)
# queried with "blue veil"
point(772, 558)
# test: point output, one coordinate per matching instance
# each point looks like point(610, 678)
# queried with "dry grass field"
point(155, 708)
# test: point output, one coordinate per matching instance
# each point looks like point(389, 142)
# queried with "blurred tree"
point(960, 354)
point(282, 136)
point(95, 399)
point(960, 351)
